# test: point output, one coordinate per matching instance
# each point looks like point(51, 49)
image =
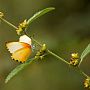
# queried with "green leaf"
point(18, 69)
point(84, 53)
point(40, 13)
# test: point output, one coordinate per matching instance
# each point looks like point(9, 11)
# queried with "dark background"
point(64, 30)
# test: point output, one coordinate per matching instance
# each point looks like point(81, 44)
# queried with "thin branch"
point(50, 52)
point(10, 24)
point(58, 57)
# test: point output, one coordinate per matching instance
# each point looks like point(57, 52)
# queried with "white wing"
point(25, 39)
point(13, 46)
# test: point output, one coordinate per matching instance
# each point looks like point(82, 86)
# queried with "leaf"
point(84, 53)
point(40, 13)
point(18, 69)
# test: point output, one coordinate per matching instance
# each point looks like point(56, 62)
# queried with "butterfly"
point(20, 50)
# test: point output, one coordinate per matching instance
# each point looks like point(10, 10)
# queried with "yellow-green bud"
point(44, 47)
point(1, 14)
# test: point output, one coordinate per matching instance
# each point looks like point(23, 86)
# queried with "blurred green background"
point(64, 30)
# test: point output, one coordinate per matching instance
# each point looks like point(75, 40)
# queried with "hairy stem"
point(58, 57)
point(50, 52)
point(83, 73)
point(10, 24)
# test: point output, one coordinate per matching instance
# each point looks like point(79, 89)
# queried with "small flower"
point(23, 24)
point(75, 55)
point(21, 27)
point(74, 59)
point(40, 54)
point(1, 14)
point(87, 83)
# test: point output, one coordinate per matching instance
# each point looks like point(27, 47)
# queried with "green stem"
point(36, 41)
point(83, 73)
point(10, 24)
point(58, 57)
point(50, 52)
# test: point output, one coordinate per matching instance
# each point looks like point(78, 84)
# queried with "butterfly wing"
point(20, 51)
point(25, 39)
point(22, 54)
point(13, 46)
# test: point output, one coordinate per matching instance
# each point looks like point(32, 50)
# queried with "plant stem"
point(83, 73)
point(58, 57)
point(36, 41)
point(10, 24)
point(50, 52)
